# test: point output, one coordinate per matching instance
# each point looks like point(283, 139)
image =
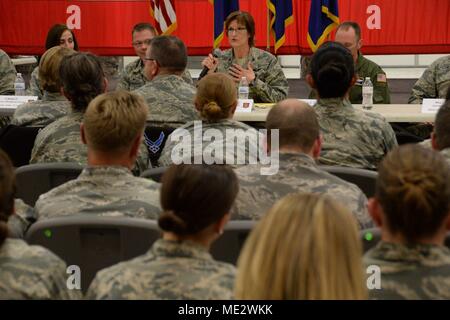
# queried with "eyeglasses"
point(137, 44)
point(238, 30)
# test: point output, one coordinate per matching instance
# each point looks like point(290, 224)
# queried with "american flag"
point(163, 11)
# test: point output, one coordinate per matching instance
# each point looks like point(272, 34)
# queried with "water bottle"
point(19, 85)
point(243, 89)
point(367, 93)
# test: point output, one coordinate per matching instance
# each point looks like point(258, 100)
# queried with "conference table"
point(391, 112)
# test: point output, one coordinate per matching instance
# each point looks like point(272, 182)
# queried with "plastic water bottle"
point(243, 89)
point(19, 85)
point(367, 93)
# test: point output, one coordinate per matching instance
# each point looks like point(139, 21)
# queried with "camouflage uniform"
point(169, 270)
point(367, 68)
point(60, 141)
point(445, 152)
point(32, 272)
point(411, 272)
point(7, 74)
point(133, 77)
point(270, 84)
point(103, 191)
point(35, 87)
point(297, 173)
point(42, 112)
point(351, 137)
point(170, 101)
point(433, 83)
point(21, 220)
point(227, 144)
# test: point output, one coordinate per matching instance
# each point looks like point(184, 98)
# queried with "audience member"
point(7, 74)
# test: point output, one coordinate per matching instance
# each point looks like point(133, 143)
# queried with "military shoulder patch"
point(381, 77)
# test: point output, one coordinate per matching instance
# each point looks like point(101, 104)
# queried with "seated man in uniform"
point(133, 76)
point(434, 82)
point(112, 129)
point(299, 146)
point(169, 98)
point(349, 35)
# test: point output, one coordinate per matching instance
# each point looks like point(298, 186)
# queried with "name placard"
point(244, 105)
point(9, 104)
point(432, 105)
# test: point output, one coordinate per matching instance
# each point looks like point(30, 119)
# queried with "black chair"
point(228, 247)
point(370, 238)
point(35, 179)
point(94, 243)
point(18, 143)
point(155, 173)
point(155, 139)
point(364, 179)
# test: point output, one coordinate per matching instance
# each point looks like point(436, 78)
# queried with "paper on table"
point(432, 105)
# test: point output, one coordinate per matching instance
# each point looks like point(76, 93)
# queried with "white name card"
point(244, 105)
point(432, 105)
point(311, 102)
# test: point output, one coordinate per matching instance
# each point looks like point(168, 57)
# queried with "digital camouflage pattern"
point(102, 191)
point(433, 83)
point(170, 101)
point(21, 220)
point(224, 141)
point(297, 173)
point(61, 141)
point(32, 272)
point(35, 88)
point(133, 77)
point(445, 152)
point(270, 84)
point(367, 68)
point(416, 272)
point(7, 74)
point(169, 270)
point(41, 112)
point(351, 137)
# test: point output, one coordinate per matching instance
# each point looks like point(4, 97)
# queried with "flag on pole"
point(280, 16)
point(323, 18)
point(222, 8)
point(163, 11)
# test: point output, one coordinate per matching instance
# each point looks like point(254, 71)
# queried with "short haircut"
point(413, 188)
point(170, 53)
point(113, 120)
point(332, 69)
point(306, 247)
point(195, 196)
point(297, 124)
point(82, 78)
point(353, 25)
point(245, 19)
point(54, 36)
point(143, 26)
point(7, 193)
point(216, 95)
point(49, 68)
point(442, 126)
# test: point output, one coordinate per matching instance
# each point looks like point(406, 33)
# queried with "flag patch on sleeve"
point(381, 77)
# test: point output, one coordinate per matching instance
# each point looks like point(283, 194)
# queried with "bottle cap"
point(19, 74)
point(367, 78)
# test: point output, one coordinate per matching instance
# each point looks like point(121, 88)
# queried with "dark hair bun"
point(169, 221)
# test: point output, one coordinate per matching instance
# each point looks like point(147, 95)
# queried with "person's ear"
point(136, 145)
point(434, 144)
point(375, 211)
point(317, 147)
point(310, 81)
point(233, 107)
point(63, 93)
point(105, 85)
point(82, 133)
point(359, 44)
point(220, 225)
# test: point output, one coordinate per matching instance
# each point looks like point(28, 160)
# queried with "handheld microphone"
point(217, 53)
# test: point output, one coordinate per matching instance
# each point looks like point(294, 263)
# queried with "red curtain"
point(407, 26)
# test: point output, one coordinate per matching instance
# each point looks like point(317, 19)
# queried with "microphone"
point(217, 53)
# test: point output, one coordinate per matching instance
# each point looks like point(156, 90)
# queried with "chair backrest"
point(155, 173)
point(94, 243)
point(18, 143)
point(35, 179)
point(364, 179)
point(370, 238)
point(155, 139)
point(228, 247)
